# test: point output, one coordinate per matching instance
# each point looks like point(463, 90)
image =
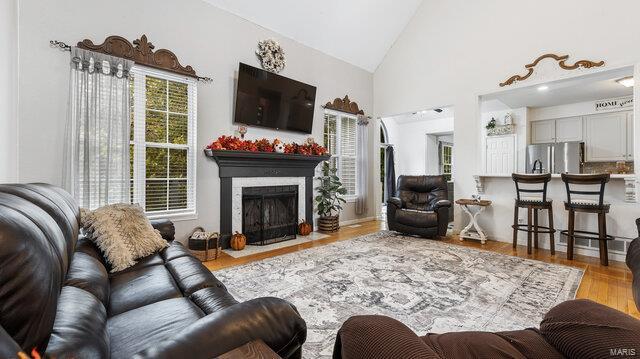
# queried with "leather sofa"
point(573, 329)
point(58, 296)
point(420, 206)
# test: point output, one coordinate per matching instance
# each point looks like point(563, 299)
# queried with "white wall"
point(568, 110)
point(409, 140)
point(209, 39)
point(8, 91)
point(454, 50)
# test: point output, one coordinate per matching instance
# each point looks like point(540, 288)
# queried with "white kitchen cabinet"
point(543, 131)
point(560, 130)
point(500, 154)
point(606, 137)
point(568, 129)
point(630, 137)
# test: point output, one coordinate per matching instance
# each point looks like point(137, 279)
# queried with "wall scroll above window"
point(585, 64)
point(344, 105)
point(141, 51)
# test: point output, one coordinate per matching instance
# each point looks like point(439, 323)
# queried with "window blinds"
point(163, 141)
point(340, 140)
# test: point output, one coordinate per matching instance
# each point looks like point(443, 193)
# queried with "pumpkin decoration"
point(238, 241)
point(304, 228)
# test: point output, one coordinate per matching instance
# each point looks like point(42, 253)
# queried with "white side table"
point(477, 232)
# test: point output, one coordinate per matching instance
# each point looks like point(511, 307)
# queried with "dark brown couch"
point(574, 329)
point(420, 206)
point(57, 294)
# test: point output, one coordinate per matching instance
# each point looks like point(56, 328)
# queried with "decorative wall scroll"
point(344, 105)
point(141, 51)
point(586, 64)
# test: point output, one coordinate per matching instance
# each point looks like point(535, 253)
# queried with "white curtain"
point(96, 162)
point(362, 168)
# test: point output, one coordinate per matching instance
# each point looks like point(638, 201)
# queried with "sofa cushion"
point(585, 329)
point(416, 218)
point(518, 344)
point(150, 325)
point(123, 233)
point(89, 274)
point(80, 328)
point(190, 275)
point(137, 288)
point(213, 299)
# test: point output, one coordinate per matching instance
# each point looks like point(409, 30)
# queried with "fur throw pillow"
point(123, 233)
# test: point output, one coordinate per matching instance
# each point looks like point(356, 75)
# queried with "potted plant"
point(329, 199)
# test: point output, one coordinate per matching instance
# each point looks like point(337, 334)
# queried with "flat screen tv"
point(269, 100)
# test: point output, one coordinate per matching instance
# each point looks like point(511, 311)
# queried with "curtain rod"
point(64, 47)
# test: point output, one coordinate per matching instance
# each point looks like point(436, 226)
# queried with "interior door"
point(500, 154)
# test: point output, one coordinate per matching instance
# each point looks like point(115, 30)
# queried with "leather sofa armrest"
point(165, 227)
point(377, 336)
point(273, 320)
point(396, 202)
point(8, 347)
point(442, 203)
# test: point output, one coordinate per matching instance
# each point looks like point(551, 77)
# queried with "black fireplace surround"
point(260, 164)
point(269, 214)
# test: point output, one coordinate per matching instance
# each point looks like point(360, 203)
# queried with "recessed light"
point(626, 82)
point(543, 88)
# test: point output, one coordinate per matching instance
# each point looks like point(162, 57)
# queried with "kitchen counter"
point(556, 175)
point(630, 181)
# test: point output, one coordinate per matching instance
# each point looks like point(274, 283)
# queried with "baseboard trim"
point(357, 220)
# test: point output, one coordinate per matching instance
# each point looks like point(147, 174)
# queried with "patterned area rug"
point(428, 285)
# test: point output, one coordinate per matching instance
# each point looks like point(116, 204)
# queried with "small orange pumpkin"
point(304, 228)
point(238, 241)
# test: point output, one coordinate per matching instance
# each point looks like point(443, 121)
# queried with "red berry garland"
point(233, 143)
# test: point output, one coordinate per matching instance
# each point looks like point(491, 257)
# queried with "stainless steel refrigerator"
point(562, 157)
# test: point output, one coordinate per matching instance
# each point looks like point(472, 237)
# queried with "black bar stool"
point(535, 199)
point(587, 205)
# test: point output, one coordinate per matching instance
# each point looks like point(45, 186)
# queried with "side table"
point(477, 232)
point(256, 349)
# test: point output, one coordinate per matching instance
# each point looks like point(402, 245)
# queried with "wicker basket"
point(329, 224)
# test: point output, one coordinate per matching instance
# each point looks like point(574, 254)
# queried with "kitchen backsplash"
point(604, 167)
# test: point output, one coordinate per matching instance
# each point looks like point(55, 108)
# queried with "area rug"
point(428, 285)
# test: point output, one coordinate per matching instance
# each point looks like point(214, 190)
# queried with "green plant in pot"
point(329, 199)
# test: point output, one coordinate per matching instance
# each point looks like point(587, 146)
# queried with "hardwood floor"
point(610, 285)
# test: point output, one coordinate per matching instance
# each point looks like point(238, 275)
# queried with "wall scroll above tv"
point(269, 100)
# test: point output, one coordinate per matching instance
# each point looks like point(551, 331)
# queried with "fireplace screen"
point(269, 214)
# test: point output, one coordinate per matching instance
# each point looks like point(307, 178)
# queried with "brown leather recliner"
point(420, 206)
point(573, 329)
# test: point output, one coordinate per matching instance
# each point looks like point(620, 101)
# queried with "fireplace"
point(269, 214)
point(241, 169)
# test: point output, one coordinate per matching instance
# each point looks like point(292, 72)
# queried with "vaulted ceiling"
point(359, 32)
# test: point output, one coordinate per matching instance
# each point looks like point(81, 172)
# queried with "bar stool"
point(537, 185)
point(598, 206)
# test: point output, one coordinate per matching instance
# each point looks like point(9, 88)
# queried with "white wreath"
point(271, 55)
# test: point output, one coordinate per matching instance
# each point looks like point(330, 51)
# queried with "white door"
point(500, 154)
point(630, 136)
point(543, 131)
point(606, 137)
point(569, 129)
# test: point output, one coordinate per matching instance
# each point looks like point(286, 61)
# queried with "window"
point(162, 147)
point(340, 140)
point(446, 163)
